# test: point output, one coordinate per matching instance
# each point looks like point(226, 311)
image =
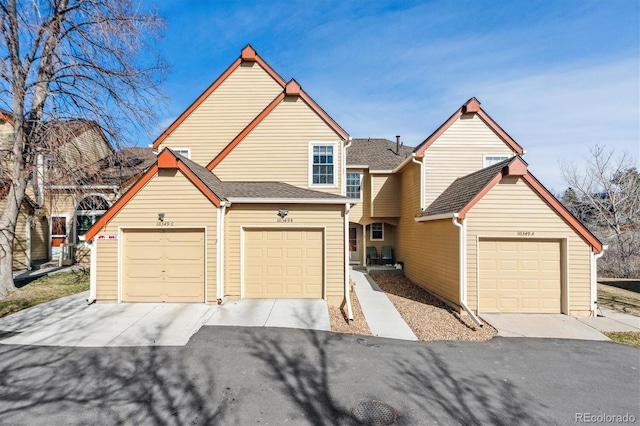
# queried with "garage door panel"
point(283, 263)
point(520, 276)
point(163, 265)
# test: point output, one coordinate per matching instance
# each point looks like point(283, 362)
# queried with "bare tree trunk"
point(8, 222)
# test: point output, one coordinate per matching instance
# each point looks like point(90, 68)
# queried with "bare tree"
point(70, 59)
point(608, 193)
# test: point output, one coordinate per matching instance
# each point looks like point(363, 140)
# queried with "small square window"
point(377, 231)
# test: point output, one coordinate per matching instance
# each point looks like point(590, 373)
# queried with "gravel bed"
point(429, 317)
point(340, 323)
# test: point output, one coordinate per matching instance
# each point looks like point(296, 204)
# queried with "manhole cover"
point(374, 413)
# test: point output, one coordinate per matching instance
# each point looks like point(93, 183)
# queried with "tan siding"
point(428, 250)
point(389, 235)
point(182, 203)
point(278, 148)
point(458, 152)
point(106, 271)
point(260, 216)
point(40, 238)
point(385, 196)
point(512, 206)
point(228, 110)
point(84, 149)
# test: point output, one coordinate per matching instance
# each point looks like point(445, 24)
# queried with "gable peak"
point(292, 88)
point(472, 105)
point(248, 54)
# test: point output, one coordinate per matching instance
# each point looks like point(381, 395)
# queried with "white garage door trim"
point(564, 266)
point(121, 230)
point(243, 230)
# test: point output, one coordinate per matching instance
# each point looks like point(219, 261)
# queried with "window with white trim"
point(377, 231)
point(185, 152)
point(90, 209)
point(354, 181)
point(490, 160)
point(322, 164)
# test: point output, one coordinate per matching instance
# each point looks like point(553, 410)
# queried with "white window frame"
point(79, 240)
point(486, 157)
point(359, 184)
point(371, 231)
point(336, 160)
point(185, 152)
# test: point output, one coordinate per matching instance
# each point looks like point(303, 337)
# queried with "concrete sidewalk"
point(381, 316)
point(611, 321)
point(554, 326)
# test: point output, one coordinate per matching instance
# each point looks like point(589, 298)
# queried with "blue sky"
point(557, 76)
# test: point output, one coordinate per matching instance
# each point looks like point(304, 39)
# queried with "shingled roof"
point(273, 190)
point(378, 154)
point(460, 193)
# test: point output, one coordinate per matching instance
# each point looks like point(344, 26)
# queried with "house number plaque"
point(525, 233)
point(164, 223)
point(284, 220)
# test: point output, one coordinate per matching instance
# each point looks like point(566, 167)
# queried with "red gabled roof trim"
point(518, 167)
point(7, 116)
point(294, 89)
point(165, 158)
point(471, 106)
point(245, 131)
point(249, 54)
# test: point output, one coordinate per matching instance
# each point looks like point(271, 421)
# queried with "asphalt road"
point(247, 376)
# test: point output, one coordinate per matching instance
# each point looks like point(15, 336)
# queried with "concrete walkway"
point(381, 316)
point(555, 326)
point(289, 313)
point(611, 320)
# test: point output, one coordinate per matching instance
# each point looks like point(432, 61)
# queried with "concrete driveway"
point(69, 321)
point(542, 325)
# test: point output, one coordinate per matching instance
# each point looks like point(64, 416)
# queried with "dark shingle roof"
point(207, 177)
point(464, 189)
point(273, 190)
point(114, 169)
point(378, 154)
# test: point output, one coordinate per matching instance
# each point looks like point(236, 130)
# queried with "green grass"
point(43, 290)
point(631, 338)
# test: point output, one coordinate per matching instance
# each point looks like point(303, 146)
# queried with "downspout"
point(93, 248)
point(347, 295)
point(421, 163)
point(462, 267)
point(220, 255)
point(594, 280)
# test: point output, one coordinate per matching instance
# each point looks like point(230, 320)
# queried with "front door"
point(58, 234)
point(354, 244)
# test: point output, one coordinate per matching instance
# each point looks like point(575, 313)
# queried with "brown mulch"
point(340, 323)
point(429, 317)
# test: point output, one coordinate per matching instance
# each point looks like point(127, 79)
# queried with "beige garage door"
point(163, 265)
point(520, 276)
point(285, 264)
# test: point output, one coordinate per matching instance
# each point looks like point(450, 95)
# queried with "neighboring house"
point(73, 184)
point(258, 193)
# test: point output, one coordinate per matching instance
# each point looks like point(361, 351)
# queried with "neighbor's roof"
point(460, 193)
point(378, 154)
point(466, 191)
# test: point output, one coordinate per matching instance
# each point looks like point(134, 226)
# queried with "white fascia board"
point(380, 172)
point(404, 163)
point(290, 200)
point(357, 166)
point(81, 186)
point(435, 217)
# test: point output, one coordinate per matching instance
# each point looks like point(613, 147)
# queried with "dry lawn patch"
point(43, 290)
point(620, 295)
point(631, 338)
point(429, 317)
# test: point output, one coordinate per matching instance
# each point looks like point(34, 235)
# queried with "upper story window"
point(377, 231)
point(89, 210)
point(322, 164)
point(490, 160)
point(185, 152)
point(354, 182)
